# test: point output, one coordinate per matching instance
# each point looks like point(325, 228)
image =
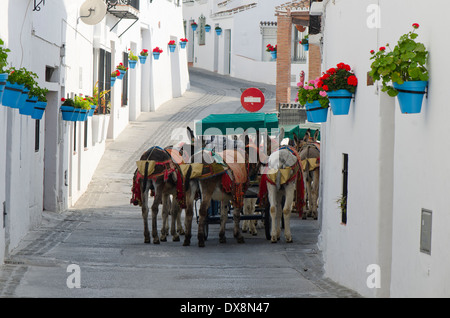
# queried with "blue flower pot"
point(113, 80)
point(194, 26)
point(274, 55)
point(83, 114)
point(39, 110)
point(142, 59)
point(12, 94)
point(306, 47)
point(182, 44)
point(218, 31)
point(3, 78)
point(172, 48)
point(156, 55)
point(315, 113)
point(207, 28)
point(28, 107)
point(340, 101)
point(92, 110)
point(410, 96)
point(122, 74)
point(23, 98)
point(67, 112)
point(132, 63)
point(76, 114)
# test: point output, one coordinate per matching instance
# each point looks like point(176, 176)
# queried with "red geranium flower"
point(372, 52)
point(352, 80)
point(325, 87)
point(63, 99)
point(415, 25)
point(382, 48)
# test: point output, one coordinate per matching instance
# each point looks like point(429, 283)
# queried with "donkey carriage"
point(233, 161)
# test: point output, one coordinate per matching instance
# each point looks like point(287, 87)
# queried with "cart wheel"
point(267, 221)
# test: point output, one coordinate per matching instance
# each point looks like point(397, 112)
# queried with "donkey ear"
point(296, 139)
point(316, 135)
point(307, 135)
point(281, 134)
point(190, 134)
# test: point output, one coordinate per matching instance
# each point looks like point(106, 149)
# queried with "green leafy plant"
point(81, 102)
point(406, 62)
point(131, 55)
point(67, 102)
point(144, 52)
point(305, 39)
point(17, 76)
point(310, 92)
point(121, 67)
point(41, 94)
point(217, 28)
point(339, 77)
point(3, 57)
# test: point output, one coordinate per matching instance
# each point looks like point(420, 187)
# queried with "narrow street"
point(103, 234)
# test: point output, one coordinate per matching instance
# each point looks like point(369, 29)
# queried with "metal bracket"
point(37, 6)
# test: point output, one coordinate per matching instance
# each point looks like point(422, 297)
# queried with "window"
point(37, 135)
point(201, 28)
point(269, 36)
point(85, 134)
point(104, 79)
point(125, 82)
point(298, 53)
point(343, 199)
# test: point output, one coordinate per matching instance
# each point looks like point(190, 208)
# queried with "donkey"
point(172, 206)
point(309, 150)
point(282, 177)
point(157, 173)
point(223, 177)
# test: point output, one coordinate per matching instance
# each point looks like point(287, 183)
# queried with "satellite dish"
point(92, 11)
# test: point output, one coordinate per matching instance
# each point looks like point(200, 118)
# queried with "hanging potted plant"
point(402, 71)
point(305, 42)
point(194, 26)
point(41, 104)
point(3, 63)
point(315, 100)
point(114, 76)
point(207, 27)
point(29, 84)
point(143, 56)
point(172, 45)
point(67, 109)
point(83, 106)
point(122, 69)
point(218, 30)
point(132, 59)
point(183, 42)
point(272, 50)
point(156, 52)
point(340, 83)
point(30, 103)
point(14, 87)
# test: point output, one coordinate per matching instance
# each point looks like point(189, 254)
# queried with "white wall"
point(388, 182)
point(36, 39)
point(246, 40)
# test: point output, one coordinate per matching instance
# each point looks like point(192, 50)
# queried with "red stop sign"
point(252, 99)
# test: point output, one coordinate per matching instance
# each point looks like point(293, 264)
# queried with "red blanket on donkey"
point(300, 186)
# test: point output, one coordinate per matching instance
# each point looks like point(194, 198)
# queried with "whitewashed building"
point(394, 241)
point(240, 51)
point(47, 164)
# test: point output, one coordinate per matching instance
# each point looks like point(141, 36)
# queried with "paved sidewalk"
point(103, 233)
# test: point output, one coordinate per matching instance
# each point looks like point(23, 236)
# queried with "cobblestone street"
point(103, 233)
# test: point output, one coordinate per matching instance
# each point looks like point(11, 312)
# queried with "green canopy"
point(229, 124)
point(300, 130)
